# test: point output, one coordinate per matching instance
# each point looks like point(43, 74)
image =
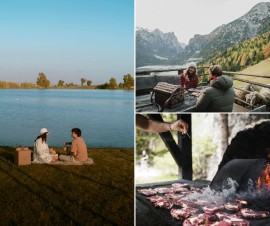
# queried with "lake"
point(106, 117)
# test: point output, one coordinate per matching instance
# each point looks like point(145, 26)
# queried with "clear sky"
point(66, 39)
point(189, 17)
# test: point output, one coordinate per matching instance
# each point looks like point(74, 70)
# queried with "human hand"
point(180, 126)
point(52, 151)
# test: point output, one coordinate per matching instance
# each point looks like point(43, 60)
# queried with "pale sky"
point(66, 39)
point(189, 17)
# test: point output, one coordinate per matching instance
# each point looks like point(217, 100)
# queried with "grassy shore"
point(99, 194)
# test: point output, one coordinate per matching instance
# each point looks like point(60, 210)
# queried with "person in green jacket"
point(219, 97)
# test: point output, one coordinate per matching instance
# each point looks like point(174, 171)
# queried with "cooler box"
point(22, 156)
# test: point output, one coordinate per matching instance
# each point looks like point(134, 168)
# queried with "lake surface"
point(105, 117)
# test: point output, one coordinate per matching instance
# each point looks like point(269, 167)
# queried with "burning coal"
point(264, 179)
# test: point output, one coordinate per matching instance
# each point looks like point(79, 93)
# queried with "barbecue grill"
point(240, 170)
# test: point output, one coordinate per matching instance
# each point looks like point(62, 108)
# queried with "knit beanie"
point(192, 64)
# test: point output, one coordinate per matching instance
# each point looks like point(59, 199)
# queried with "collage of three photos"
point(135, 112)
point(202, 113)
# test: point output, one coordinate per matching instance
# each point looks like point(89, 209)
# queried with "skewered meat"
point(200, 219)
point(251, 214)
point(232, 206)
point(211, 209)
point(148, 192)
point(183, 213)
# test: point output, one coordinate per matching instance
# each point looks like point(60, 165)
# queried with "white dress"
point(41, 152)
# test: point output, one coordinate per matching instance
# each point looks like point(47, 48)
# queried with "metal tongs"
point(186, 133)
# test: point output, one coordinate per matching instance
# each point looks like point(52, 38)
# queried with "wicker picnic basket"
point(167, 95)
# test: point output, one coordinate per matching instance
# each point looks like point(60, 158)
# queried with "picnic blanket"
point(89, 161)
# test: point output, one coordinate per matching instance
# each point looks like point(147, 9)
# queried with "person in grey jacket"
point(219, 97)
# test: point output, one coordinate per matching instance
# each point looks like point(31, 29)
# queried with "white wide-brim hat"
point(43, 130)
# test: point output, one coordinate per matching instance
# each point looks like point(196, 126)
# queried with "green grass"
point(100, 194)
point(262, 68)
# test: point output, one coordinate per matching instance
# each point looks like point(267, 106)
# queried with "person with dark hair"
point(189, 78)
point(78, 148)
point(219, 97)
point(42, 152)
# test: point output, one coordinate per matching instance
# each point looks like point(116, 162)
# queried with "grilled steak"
point(232, 206)
point(180, 185)
point(251, 214)
point(211, 209)
point(164, 203)
point(221, 223)
point(154, 198)
point(148, 192)
point(180, 190)
point(163, 190)
point(200, 219)
point(183, 213)
point(232, 219)
point(187, 204)
point(236, 221)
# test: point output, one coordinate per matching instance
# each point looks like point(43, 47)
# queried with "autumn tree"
point(42, 80)
point(83, 80)
point(112, 83)
point(61, 83)
point(128, 81)
point(266, 50)
point(89, 82)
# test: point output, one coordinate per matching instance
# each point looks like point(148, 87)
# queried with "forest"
point(242, 55)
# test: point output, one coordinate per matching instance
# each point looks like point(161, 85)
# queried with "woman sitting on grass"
point(42, 153)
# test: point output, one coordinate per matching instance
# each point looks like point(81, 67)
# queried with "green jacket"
point(219, 97)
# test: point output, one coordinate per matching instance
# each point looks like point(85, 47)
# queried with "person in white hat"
point(189, 78)
point(42, 152)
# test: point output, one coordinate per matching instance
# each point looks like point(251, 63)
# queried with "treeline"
point(44, 82)
point(14, 85)
point(242, 55)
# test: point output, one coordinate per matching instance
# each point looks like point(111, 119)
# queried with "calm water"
point(104, 116)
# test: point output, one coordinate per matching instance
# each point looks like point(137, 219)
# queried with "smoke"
point(257, 199)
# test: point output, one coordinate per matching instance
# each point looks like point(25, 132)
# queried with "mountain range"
point(158, 48)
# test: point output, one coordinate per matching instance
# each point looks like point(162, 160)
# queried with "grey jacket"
point(219, 97)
